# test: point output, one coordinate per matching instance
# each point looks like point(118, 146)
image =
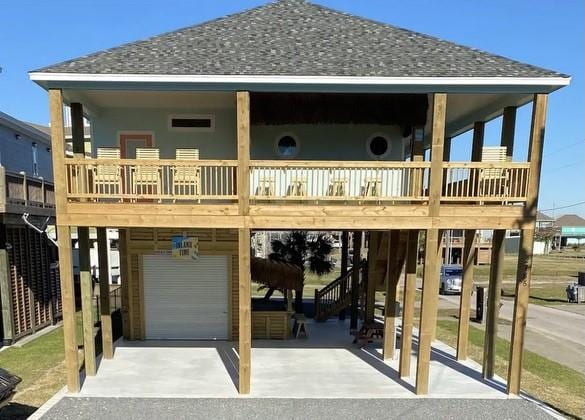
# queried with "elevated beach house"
point(289, 116)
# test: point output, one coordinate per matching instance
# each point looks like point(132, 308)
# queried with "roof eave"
point(300, 83)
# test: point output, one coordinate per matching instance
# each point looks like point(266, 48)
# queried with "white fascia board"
point(301, 80)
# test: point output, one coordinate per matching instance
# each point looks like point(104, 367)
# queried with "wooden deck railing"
point(505, 181)
point(165, 179)
point(275, 181)
point(21, 189)
point(338, 181)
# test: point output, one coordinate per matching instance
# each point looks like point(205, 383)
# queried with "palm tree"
point(296, 248)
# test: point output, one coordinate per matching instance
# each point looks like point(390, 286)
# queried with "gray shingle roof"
point(293, 37)
point(570, 220)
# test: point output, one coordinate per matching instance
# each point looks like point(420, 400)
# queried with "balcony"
point(282, 182)
point(21, 193)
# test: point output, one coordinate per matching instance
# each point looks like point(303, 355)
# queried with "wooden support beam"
point(373, 247)
point(68, 304)
point(86, 301)
point(437, 144)
point(508, 130)
point(447, 150)
point(355, 279)
point(6, 297)
point(477, 144)
point(391, 295)
point(493, 305)
point(344, 251)
point(524, 270)
point(408, 304)
point(468, 261)
point(245, 311)
point(77, 129)
point(243, 134)
point(105, 310)
point(428, 312)
point(58, 150)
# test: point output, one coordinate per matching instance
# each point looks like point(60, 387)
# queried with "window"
point(378, 146)
point(287, 145)
point(35, 160)
point(191, 123)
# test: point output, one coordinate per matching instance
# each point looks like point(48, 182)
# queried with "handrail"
point(336, 295)
point(338, 164)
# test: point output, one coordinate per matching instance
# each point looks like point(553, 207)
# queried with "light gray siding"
point(16, 154)
point(317, 142)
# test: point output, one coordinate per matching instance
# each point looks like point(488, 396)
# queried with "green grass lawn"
point(41, 366)
point(557, 385)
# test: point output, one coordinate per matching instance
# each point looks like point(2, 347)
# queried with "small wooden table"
point(368, 332)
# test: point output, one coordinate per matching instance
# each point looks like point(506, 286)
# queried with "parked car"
point(451, 276)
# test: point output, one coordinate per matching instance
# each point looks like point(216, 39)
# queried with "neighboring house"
point(570, 230)
point(545, 232)
point(543, 221)
point(288, 116)
point(29, 276)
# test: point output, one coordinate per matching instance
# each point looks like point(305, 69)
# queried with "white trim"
point(388, 143)
point(323, 80)
point(294, 137)
point(209, 117)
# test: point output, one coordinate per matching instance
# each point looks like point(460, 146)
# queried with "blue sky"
point(548, 33)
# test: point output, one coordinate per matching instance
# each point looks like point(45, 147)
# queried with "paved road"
point(553, 333)
point(281, 408)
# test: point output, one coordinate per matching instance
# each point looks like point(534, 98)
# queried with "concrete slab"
point(325, 365)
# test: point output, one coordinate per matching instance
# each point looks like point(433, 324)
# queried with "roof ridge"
point(298, 37)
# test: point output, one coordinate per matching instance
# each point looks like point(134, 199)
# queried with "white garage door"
point(185, 299)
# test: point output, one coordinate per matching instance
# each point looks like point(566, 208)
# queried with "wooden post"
point(468, 261)
point(524, 269)
point(430, 295)
point(6, 298)
point(355, 279)
point(124, 288)
point(243, 134)
point(344, 258)
point(477, 145)
point(508, 130)
point(390, 300)
point(86, 301)
point(493, 305)
point(105, 310)
point(373, 247)
point(68, 304)
point(438, 137)
point(64, 238)
point(408, 304)
point(428, 313)
point(245, 321)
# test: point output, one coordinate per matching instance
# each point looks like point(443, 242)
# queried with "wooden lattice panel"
point(35, 289)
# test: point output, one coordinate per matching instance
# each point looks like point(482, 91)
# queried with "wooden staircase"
point(336, 296)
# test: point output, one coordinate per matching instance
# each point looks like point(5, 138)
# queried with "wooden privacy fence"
point(338, 181)
point(164, 179)
point(501, 181)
